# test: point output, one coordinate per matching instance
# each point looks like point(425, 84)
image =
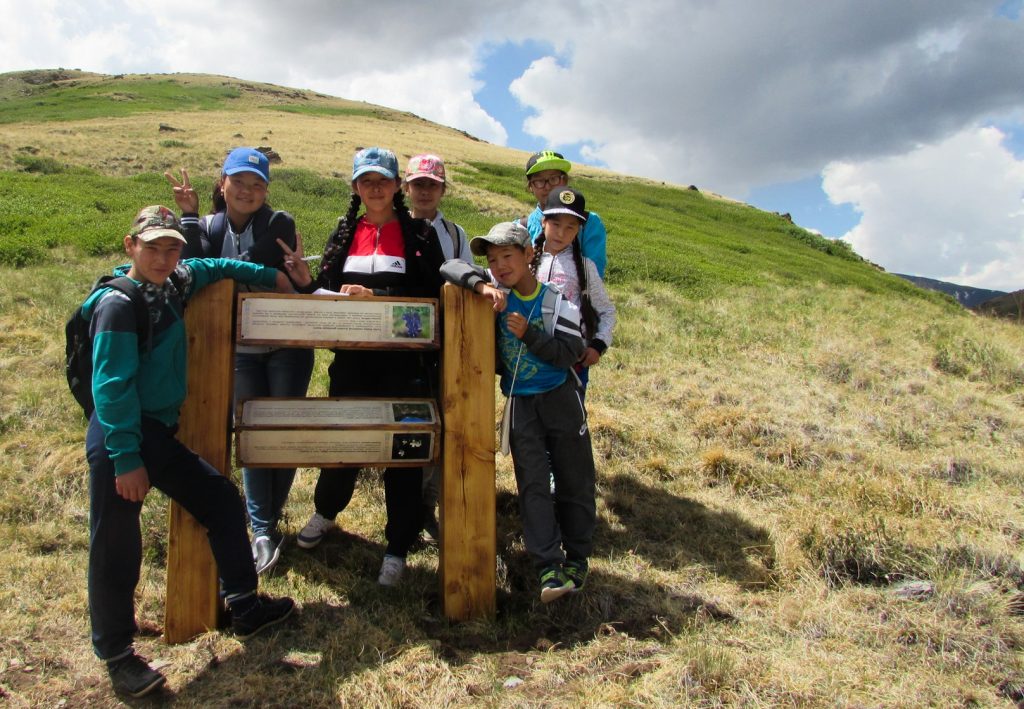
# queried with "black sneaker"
point(131, 675)
point(431, 533)
point(576, 571)
point(260, 613)
point(265, 553)
point(553, 584)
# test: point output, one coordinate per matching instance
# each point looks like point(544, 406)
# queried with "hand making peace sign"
point(294, 263)
point(184, 196)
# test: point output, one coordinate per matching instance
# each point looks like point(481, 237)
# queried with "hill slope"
point(785, 436)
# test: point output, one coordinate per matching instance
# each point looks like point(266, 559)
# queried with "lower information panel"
point(336, 432)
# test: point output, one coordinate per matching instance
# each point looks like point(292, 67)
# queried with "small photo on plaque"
point(411, 446)
point(412, 321)
point(412, 412)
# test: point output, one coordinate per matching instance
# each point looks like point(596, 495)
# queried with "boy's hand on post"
point(184, 196)
point(495, 295)
point(133, 485)
point(295, 265)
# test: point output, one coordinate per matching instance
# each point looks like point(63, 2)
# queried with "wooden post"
point(192, 605)
point(467, 500)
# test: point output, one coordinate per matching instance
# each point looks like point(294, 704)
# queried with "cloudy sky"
point(896, 124)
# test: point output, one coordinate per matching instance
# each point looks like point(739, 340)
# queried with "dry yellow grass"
point(773, 464)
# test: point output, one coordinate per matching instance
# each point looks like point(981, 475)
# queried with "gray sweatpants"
point(549, 435)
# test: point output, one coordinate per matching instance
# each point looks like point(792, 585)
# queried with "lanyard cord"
point(519, 356)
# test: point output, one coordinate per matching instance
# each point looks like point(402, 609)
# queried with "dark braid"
point(337, 246)
point(538, 252)
point(409, 226)
point(590, 317)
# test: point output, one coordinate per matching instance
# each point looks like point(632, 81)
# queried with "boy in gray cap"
point(539, 341)
point(138, 388)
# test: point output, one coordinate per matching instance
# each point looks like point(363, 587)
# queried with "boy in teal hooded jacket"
point(138, 388)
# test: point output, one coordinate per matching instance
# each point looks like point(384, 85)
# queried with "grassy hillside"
point(809, 483)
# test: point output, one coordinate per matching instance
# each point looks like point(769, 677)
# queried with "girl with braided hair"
point(384, 252)
point(558, 259)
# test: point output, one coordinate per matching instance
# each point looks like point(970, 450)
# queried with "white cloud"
point(953, 210)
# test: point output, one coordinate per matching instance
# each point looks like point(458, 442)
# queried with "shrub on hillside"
point(44, 166)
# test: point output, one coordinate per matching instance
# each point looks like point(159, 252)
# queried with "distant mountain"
point(965, 295)
point(1008, 305)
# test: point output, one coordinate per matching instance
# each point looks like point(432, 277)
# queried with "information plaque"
point(332, 432)
point(337, 321)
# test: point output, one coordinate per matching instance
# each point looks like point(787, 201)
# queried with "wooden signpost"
point(192, 605)
point(332, 432)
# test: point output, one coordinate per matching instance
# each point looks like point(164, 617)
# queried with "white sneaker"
point(314, 531)
point(391, 570)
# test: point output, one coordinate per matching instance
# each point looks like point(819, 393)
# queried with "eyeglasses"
point(540, 183)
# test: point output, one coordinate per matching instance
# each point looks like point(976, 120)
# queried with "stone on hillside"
point(271, 154)
point(914, 590)
point(164, 128)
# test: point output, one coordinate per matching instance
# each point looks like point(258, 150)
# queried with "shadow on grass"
point(679, 539)
point(673, 533)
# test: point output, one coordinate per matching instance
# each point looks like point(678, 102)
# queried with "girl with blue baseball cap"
point(383, 252)
point(243, 226)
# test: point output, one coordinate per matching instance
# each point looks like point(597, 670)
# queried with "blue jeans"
point(115, 538)
point(282, 373)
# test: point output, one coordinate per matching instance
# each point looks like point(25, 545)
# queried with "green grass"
point(110, 99)
point(661, 234)
point(702, 245)
point(326, 110)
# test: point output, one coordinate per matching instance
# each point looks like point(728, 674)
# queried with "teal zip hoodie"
point(128, 384)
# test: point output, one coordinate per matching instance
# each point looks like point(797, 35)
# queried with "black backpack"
point(267, 227)
point(78, 343)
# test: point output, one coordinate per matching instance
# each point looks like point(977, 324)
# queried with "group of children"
point(554, 321)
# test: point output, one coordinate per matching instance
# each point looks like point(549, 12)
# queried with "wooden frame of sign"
point(336, 432)
point(467, 500)
point(192, 606)
point(337, 321)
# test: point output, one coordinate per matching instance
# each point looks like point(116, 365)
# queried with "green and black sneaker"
point(576, 571)
point(553, 584)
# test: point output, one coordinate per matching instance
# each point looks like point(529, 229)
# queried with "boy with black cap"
point(545, 171)
point(131, 445)
point(539, 341)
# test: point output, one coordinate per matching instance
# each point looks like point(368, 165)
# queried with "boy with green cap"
point(546, 171)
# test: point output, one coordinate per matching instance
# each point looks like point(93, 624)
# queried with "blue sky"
point(897, 126)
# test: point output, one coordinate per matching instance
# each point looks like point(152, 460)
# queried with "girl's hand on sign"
point(184, 196)
point(356, 290)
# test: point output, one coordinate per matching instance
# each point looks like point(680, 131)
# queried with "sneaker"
point(431, 532)
point(391, 570)
point(265, 553)
point(259, 612)
point(131, 675)
point(553, 584)
point(576, 571)
point(314, 531)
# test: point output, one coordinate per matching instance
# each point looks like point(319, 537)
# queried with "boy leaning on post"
point(131, 446)
point(538, 342)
